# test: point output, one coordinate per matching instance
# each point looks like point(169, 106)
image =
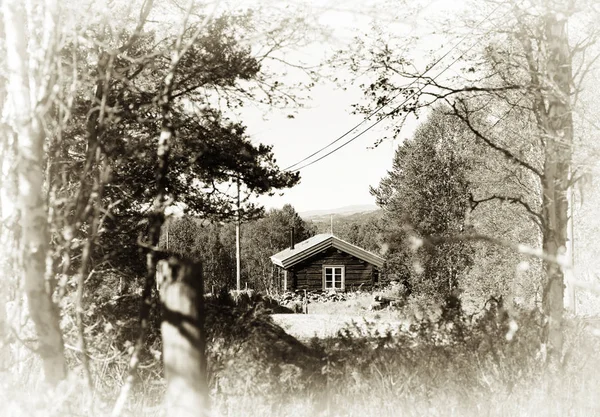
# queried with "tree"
point(212, 244)
point(208, 151)
point(215, 150)
point(103, 103)
point(525, 70)
point(202, 242)
point(427, 193)
point(265, 237)
point(366, 233)
point(360, 229)
point(27, 123)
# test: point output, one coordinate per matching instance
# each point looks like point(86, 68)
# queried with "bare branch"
point(144, 12)
point(517, 247)
point(156, 215)
point(508, 154)
point(537, 217)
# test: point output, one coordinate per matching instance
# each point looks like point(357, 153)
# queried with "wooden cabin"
point(326, 262)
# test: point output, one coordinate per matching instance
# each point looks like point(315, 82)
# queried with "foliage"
point(531, 72)
point(110, 87)
point(202, 242)
point(102, 148)
point(453, 364)
point(265, 237)
point(213, 244)
point(427, 193)
point(360, 229)
point(208, 151)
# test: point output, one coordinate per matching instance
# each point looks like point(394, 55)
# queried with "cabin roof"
point(313, 245)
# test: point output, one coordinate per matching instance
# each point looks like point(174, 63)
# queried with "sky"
point(344, 177)
point(341, 179)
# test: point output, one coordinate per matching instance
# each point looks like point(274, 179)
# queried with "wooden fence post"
point(183, 336)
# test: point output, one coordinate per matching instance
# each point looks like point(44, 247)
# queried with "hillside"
point(316, 215)
point(324, 221)
point(362, 228)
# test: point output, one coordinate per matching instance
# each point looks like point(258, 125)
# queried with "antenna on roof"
point(331, 223)
point(292, 237)
point(238, 222)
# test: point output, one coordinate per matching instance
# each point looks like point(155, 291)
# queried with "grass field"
point(326, 319)
point(439, 370)
point(307, 326)
point(344, 360)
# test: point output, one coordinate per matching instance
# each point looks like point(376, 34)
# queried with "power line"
point(378, 109)
point(376, 122)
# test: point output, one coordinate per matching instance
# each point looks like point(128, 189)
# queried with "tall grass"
point(454, 365)
point(451, 366)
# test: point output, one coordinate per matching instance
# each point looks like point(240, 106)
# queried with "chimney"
point(292, 237)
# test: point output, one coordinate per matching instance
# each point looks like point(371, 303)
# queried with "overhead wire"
point(378, 109)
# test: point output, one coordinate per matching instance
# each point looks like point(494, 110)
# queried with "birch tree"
point(25, 93)
point(524, 71)
point(428, 189)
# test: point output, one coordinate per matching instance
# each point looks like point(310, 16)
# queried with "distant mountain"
point(341, 211)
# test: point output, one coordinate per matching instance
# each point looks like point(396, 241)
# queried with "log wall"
point(308, 275)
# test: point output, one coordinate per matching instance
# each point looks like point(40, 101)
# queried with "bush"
point(446, 363)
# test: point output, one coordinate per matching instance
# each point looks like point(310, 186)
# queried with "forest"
point(139, 208)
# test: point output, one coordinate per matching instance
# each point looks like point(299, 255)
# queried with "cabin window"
point(333, 277)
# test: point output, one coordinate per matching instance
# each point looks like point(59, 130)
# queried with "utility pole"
point(570, 273)
point(237, 240)
point(167, 223)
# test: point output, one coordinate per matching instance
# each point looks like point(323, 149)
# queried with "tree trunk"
point(30, 197)
point(554, 242)
point(558, 132)
point(184, 358)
